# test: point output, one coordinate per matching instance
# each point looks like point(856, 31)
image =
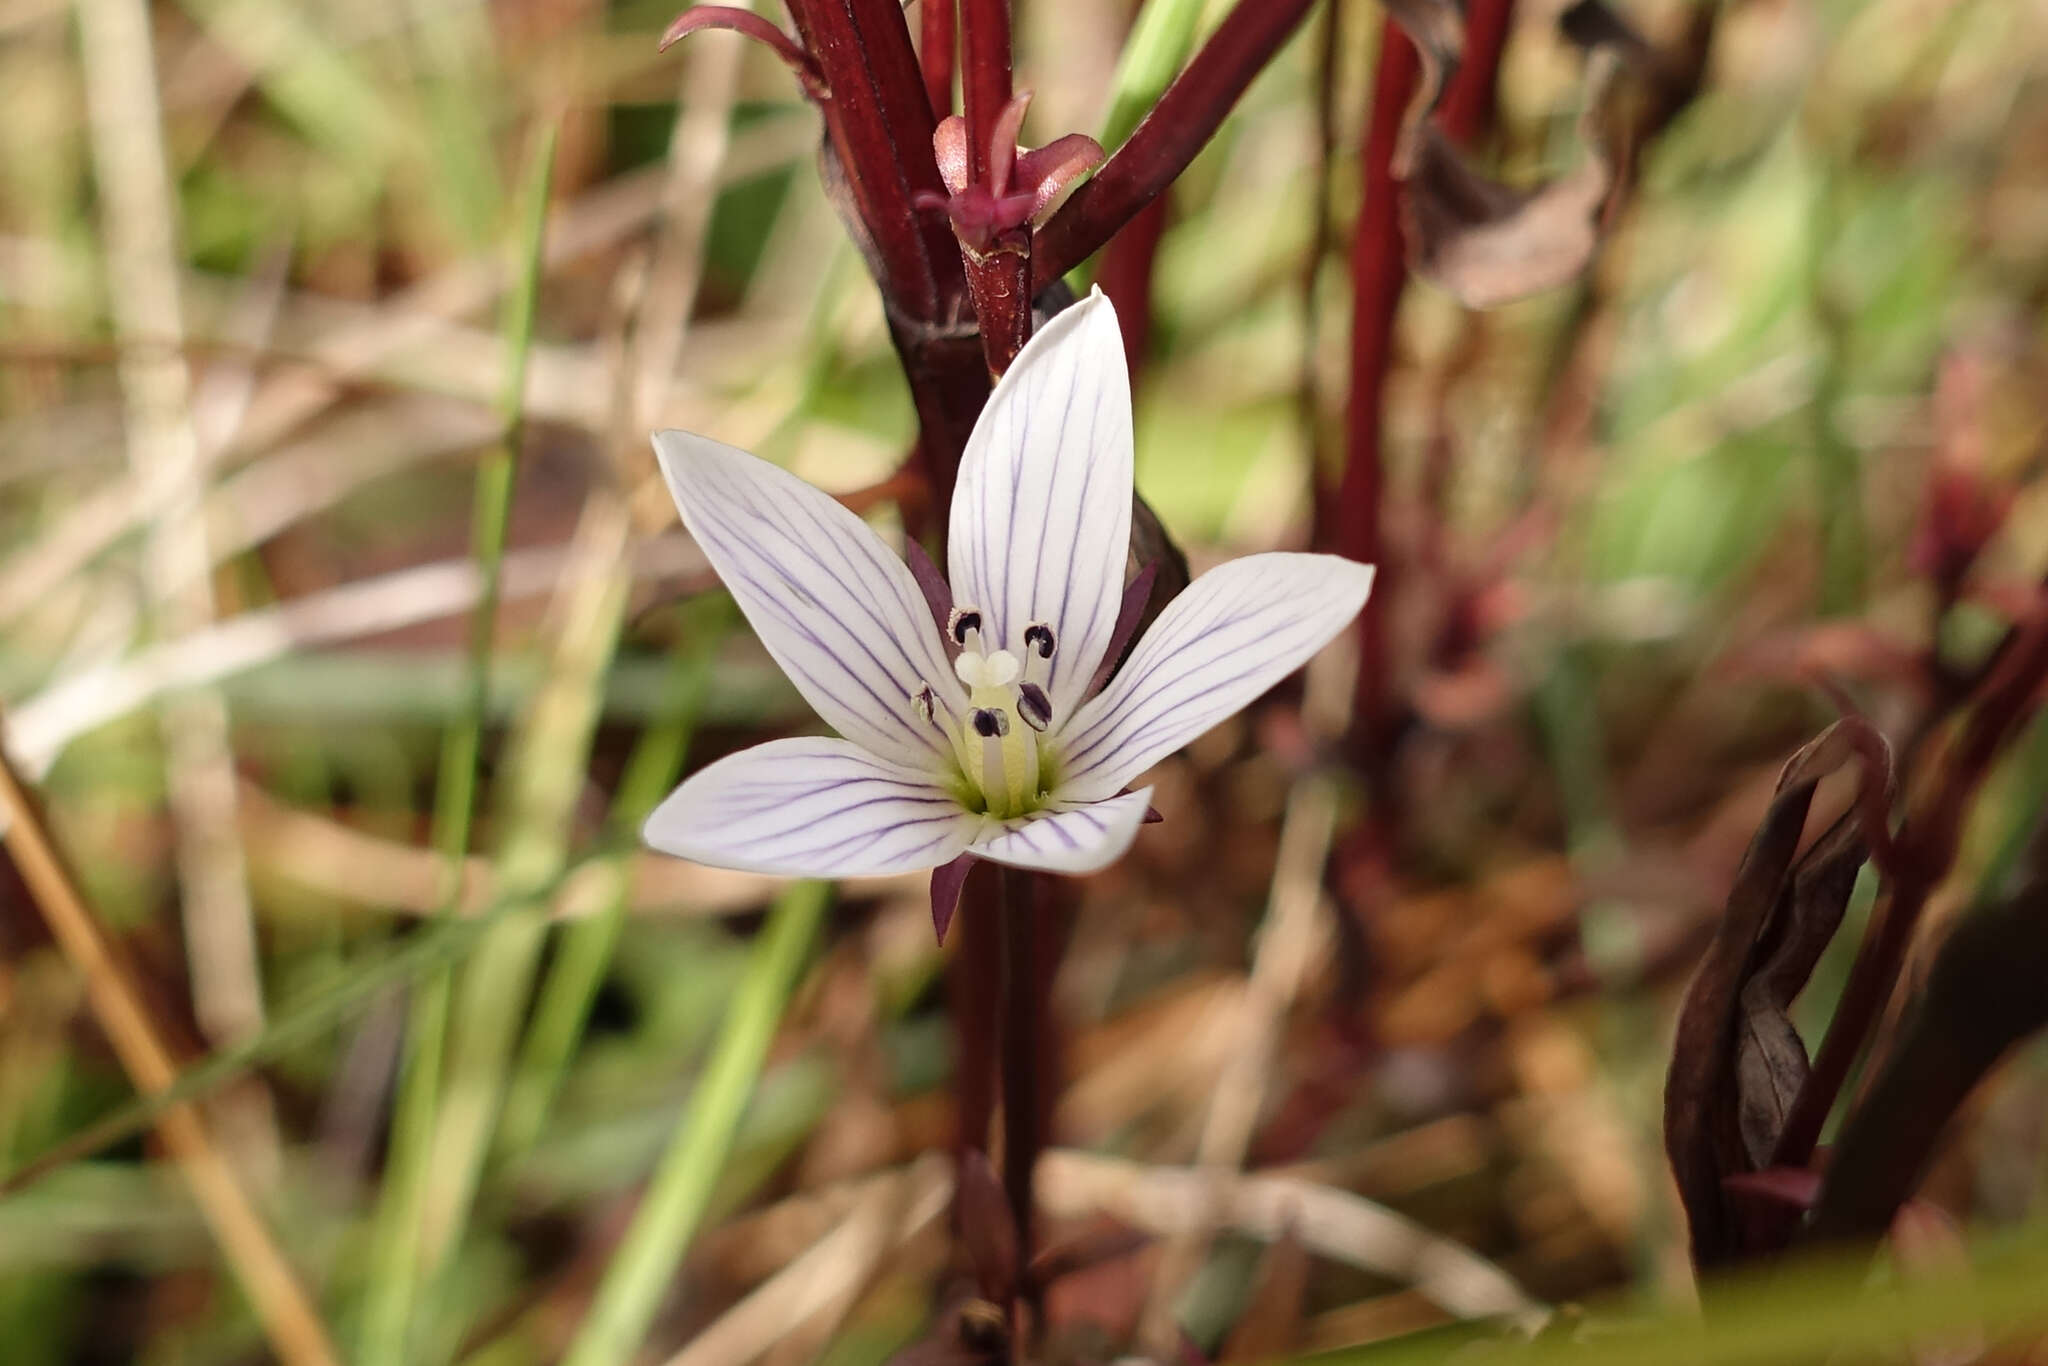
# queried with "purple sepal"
point(1136, 595)
point(947, 880)
point(937, 595)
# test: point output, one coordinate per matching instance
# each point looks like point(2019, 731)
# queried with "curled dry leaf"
point(1590, 24)
point(1437, 28)
point(1485, 242)
point(1737, 1064)
point(1771, 1063)
point(1489, 244)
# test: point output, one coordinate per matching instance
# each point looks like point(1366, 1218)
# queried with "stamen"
point(1039, 643)
point(1034, 706)
point(963, 620)
point(925, 703)
point(991, 722)
point(995, 786)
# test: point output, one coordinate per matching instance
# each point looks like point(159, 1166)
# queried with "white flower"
point(993, 737)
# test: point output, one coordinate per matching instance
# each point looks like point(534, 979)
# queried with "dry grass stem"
point(40, 728)
point(550, 751)
point(389, 877)
point(1287, 947)
point(166, 459)
point(282, 1305)
point(296, 480)
point(1332, 1223)
point(824, 1280)
point(413, 340)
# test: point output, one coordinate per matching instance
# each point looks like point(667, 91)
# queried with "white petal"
point(1229, 636)
point(836, 607)
point(1041, 521)
point(1069, 837)
point(811, 808)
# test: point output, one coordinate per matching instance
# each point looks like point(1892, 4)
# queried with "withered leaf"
point(1487, 243)
point(1591, 24)
point(1771, 1063)
point(1437, 29)
point(1731, 1060)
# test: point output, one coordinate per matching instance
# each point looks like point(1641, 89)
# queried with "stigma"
point(997, 740)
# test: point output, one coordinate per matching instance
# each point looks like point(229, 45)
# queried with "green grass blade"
point(387, 1326)
point(1830, 1307)
point(1837, 464)
point(311, 80)
point(668, 1216)
point(303, 1022)
point(1153, 55)
point(584, 951)
point(461, 79)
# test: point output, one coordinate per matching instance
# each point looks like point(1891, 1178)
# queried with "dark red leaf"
point(760, 30)
point(1733, 1071)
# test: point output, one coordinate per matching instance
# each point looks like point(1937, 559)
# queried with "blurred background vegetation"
point(291, 293)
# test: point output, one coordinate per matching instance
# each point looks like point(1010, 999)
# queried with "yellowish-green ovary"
point(1017, 789)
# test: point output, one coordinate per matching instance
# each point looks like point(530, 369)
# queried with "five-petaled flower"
point(992, 733)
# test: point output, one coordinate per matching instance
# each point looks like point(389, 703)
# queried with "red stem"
point(1378, 277)
point(977, 962)
point(1378, 271)
point(936, 54)
point(1022, 1058)
point(984, 78)
point(1309, 396)
point(880, 121)
point(1467, 108)
point(999, 278)
point(999, 281)
point(1161, 146)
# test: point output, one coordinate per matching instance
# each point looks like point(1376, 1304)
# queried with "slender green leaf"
point(585, 949)
point(646, 1261)
point(395, 1263)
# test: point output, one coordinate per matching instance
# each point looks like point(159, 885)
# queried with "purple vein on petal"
point(1148, 711)
point(767, 567)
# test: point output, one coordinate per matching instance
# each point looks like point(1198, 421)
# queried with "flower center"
point(997, 742)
